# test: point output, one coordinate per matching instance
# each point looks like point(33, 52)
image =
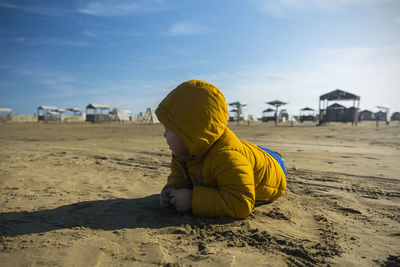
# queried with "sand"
point(87, 195)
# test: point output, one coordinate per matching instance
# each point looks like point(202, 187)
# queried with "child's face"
point(177, 147)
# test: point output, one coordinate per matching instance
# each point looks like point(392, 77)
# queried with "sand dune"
point(86, 195)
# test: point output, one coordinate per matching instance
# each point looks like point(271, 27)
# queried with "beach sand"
point(87, 195)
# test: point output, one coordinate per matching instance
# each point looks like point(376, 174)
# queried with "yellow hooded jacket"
point(227, 175)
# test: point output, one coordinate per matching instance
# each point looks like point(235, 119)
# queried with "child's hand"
point(165, 198)
point(182, 199)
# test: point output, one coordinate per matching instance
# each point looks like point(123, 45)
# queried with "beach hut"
point(366, 115)
point(380, 116)
point(97, 113)
point(5, 114)
point(121, 115)
point(48, 114)
point(239, 114)
point(395, 116)
point(386, 113)
point(307, 114)
point(336, 112)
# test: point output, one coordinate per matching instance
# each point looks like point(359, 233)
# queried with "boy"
point(213, 173)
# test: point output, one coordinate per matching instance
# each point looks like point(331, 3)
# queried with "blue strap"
point(276, 157)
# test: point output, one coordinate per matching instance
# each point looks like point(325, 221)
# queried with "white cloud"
point(36, 9)
point(287, 8)
point(111, 8)
point(55, 41)
point(61, 84)
point(52, 79)
point(128, 33)
point(90, 33)
point(187, 28)
point(45, 41)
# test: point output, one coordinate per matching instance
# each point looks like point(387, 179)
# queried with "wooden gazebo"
point(328, 113)
point(307, 114)
point(268, 115)
point(97, 113)
point(237, 110)
point(48, 114)
point(5, 114)
point(276, 104)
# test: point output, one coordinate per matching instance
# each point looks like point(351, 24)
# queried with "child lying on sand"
point(213, 173)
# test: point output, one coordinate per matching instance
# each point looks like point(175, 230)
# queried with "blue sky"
point(131, 53)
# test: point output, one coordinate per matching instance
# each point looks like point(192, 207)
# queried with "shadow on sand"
point(111, 214)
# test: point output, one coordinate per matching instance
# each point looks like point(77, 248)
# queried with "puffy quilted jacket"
point(228, 175)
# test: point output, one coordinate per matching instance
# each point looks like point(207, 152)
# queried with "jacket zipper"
point(187, 175)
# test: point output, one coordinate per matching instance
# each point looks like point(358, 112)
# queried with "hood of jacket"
point(196, 111)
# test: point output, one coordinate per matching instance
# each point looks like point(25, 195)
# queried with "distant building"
point(380, 116)
point(238, 113)
point(48, 114)
point(307, 114)
point(268, 115)
point(366, 115)
point(395, 116)
point(5, 114)
point(97, 113)
point(276, 104)
point(336, 112)
point(383, 115)
point(5, 110)
point(149, 116)
point(121, 115)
